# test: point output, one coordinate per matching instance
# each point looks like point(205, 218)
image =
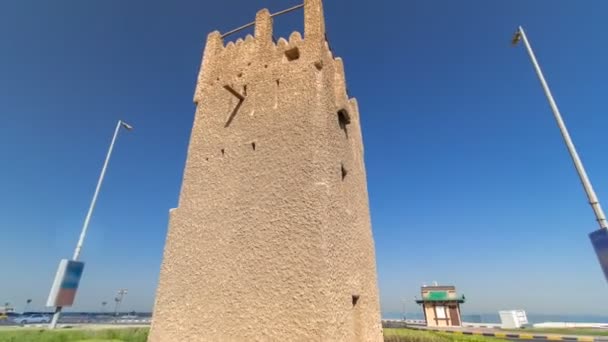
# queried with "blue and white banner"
point(66, 283)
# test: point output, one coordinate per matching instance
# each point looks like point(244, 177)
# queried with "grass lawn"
point(67, 335)
point(141, 334)
point(408, 335)
point(566, 331)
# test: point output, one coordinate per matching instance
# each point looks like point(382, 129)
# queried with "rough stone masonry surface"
point(272, 239)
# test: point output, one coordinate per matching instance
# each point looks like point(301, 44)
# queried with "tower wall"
point(272, 238)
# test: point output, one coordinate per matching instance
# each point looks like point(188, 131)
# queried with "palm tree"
point(103, 306)
point(27, 304)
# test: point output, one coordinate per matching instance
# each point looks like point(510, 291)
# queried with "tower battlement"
point(260, 57)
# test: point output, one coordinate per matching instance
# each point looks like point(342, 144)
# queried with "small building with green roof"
point(441, 306)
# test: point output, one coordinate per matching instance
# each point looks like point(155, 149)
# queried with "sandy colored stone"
point(272, 239)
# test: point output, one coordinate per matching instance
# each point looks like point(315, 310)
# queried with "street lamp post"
point(85, 226)
point(87, 219)
point(118, 300)
point(27, 305)
point(599, 238)
point(593, 201)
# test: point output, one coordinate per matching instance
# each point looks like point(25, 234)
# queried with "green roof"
point(440, 296)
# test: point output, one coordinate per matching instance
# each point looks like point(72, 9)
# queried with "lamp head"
point(516, 38)
point(126, 125)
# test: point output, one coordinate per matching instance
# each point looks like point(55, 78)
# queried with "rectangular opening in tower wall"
point(355, 300)
point(292, 54)
point(343, 120)
point(276, 95)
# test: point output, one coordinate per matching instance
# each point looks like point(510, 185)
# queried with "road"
point(515, 335)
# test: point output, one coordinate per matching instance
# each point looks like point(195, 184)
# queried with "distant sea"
point(494, 318)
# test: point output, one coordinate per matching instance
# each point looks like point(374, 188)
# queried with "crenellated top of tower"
point(310, 49)
point(314, 25)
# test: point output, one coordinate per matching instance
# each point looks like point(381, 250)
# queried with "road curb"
point(509, 335)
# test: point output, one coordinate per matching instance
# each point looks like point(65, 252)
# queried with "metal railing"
point(291, 9)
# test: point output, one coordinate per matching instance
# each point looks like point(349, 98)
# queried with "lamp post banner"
point(599, 239)
point(66, 283)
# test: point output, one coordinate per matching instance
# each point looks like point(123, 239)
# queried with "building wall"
point(272, 237)
point(430, 315)
point(430, 311)
point(442, 323)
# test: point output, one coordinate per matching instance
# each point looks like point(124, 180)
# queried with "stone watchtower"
point(271, 240)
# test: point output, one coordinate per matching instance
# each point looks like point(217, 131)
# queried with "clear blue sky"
point(469, 181)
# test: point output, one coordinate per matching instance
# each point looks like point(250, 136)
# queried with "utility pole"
point(87, 219)
point(580, 169)
point(118, 300)
point(599, 238)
